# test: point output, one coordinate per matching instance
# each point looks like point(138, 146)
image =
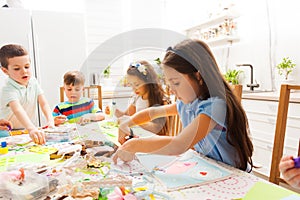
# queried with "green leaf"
point(232, 76)
point(157, 60)
point(106, 72)
point(285, 67)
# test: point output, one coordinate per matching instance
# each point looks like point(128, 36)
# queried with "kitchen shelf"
point(214, 21)
point(219, 41)
point(214, 24)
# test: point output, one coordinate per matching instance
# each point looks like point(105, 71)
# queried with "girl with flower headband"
point(214, 121)
point(148, 93)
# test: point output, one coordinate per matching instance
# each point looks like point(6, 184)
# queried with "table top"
point(234, 185)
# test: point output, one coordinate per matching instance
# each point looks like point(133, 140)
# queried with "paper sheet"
point(263, 191)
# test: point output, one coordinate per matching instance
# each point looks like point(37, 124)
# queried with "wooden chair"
point(278, 146)
point(93, 92)
point(175, 125)
point(174, 122)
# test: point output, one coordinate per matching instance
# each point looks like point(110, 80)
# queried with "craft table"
point(235, 186)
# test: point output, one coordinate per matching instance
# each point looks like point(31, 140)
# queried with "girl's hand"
point(290, 174)
point(37, 136)
point(124, 155)
point(60, 119)
point(5, 125)
point(124, 131)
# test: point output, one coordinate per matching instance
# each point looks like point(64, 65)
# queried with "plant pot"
point(237, 90)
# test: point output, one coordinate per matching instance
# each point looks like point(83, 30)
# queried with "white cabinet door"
point(60, 46)
point(15, 29)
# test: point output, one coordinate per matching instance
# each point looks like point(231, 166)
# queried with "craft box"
point(33, 187)
point(60, 134)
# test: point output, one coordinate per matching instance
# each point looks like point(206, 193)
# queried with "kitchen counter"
point(270, 96)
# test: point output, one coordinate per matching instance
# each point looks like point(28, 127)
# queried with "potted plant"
point(232, 76)
point(106, 72)
point(106, 76)
point(285, 67)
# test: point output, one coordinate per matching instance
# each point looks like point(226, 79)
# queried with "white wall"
point(107, 19)
point(267, 28)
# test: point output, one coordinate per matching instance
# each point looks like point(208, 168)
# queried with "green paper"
point(6, 161)
point(263, 191)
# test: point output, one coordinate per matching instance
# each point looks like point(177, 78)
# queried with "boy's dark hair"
point(10, 51)
point(74, 78)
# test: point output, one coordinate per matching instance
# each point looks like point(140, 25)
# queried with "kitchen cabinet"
point(216, 31)
point(262, 115)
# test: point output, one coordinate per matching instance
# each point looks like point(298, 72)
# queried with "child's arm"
point(95, 114)
point(153, 127)
point(145, 116)
point(86, 118)
point(46, 110)
point(36, 135)
point(167, 145)
point(129, 111)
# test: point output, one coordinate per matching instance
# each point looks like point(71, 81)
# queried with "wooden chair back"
point(93, 91)
point(280, 130)
point(175, 125)
point(174, 122)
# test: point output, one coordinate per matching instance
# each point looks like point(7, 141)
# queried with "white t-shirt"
point(27, 96)
point(139, 103)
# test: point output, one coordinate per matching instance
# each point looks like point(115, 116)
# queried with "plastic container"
point(60, 134)
point(57, 137)
point(33, 187)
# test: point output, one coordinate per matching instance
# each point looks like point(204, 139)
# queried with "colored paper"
point(264, 190)
point(6, 161)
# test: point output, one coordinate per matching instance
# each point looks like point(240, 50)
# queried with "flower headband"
point(141, 68)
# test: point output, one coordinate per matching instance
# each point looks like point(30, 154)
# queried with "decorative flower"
point(142, 68)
